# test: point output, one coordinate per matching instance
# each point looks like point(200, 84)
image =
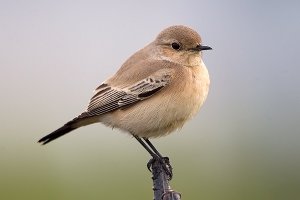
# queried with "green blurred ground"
point(93, 165)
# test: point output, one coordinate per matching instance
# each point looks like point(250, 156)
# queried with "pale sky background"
point(53, 54)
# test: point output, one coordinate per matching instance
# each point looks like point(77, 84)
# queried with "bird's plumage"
point(153, 93)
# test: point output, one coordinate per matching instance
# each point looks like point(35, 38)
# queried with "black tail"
point(68, 127)
point(81, 120)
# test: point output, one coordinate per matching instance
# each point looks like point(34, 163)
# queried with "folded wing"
point(108, 98)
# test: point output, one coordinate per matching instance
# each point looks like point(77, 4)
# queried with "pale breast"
point(166, 111)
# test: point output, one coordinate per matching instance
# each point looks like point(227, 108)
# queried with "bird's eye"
point(175, 45)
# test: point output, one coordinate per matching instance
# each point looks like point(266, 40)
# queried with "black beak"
point(200, 47)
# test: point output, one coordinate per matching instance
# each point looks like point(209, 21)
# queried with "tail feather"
point(68, 127)
point(77, 122)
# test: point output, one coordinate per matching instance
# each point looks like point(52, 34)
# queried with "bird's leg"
point(165, 160)
point(152, 147)
point(146, 147)
point(155, 156)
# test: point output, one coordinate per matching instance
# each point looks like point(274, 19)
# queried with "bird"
point(154, 92)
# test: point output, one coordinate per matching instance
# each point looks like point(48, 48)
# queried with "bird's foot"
point(164, 162)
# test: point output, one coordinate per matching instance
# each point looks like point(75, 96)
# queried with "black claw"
point(150, 163)
point(167, 167)
point(165, 163)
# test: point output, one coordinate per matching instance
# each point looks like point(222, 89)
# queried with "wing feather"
point(108, 98)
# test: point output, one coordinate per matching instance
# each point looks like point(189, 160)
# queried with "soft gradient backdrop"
point(244, 144)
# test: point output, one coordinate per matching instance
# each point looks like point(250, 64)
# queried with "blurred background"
point(244, 144)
